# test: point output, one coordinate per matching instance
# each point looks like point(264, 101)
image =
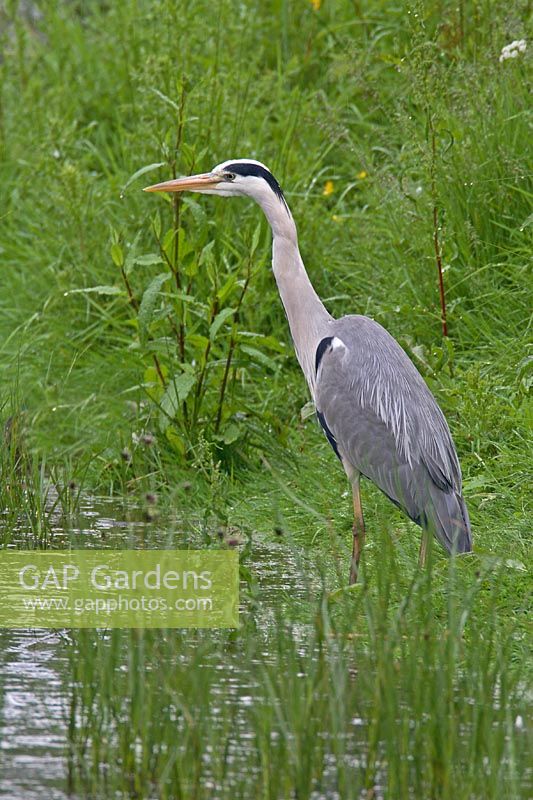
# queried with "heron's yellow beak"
point(194, 182)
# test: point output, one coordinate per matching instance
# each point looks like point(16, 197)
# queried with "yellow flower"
point(316, 4)
point(328, 188)
point(362, 175)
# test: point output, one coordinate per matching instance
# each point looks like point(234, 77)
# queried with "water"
point(34, 669)
point(33, 739)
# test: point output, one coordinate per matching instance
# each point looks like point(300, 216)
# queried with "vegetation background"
point(144, 350)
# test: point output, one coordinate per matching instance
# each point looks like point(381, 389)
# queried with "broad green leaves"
point(187, 303)
point(148, 304)
point(176, 393)
point(219, 320)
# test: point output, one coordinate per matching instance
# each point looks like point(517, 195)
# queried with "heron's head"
point(241, 176)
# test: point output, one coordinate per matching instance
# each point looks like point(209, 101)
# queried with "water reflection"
point(32, 716)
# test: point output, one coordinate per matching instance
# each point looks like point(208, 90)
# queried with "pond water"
point(34, 668)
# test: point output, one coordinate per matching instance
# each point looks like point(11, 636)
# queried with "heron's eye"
point(229, 176)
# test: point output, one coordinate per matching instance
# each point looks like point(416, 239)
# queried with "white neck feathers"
point(308, 318)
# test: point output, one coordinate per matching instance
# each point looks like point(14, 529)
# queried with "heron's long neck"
point(308, 319)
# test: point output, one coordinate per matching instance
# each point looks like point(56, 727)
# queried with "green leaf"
point(219, 320)
point(142, 171)
point(151, 375)
point(528, 221)
point(477, 482)
point(156, 224)
point(198, 341)
point(226, 290)
point(176, 393)
point(344, 591)
point(260, 357)
point(307, 411)
point(175, 440)
point(255, 239)
point(168, 238)
point(148, 302)
point(117, 255)
point(190, 265)
point(148, 260)
point(273, 344)
point(168, 101)
point(96, 290)
point(189, 298)
point(168, 242)
point(270, 342)
point(513, 563)
point(152, 381)
point(185, 247)
point(206, 256)
point(130, 257)
point(231, 433)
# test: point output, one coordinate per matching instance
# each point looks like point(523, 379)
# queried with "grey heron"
point(377, 412)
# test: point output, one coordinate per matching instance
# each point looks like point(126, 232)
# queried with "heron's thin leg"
point(358, 531)
point(423, 548)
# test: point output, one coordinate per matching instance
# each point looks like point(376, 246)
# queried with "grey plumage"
point(378, 414)
point(388, 427)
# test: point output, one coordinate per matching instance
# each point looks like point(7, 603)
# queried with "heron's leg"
point(358, 531)
point(423, 548)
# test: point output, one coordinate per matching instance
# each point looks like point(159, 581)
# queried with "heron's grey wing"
point(387, 425)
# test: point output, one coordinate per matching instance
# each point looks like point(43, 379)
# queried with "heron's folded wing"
point(363, 441)
point(384, 419)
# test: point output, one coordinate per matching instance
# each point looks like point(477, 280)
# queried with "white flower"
point(512, 50)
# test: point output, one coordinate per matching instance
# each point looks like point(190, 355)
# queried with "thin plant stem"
point(231, 348)
point(177, 221)
point(436, 237)
point(203, 371)
point(135, 305)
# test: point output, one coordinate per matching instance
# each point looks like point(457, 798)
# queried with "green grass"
point(407, 110)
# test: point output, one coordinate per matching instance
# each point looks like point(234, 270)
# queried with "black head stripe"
point(257, 171)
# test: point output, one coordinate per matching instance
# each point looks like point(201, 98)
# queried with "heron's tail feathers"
point(446, 515)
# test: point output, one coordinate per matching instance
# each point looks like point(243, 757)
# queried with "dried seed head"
point(126, 455)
